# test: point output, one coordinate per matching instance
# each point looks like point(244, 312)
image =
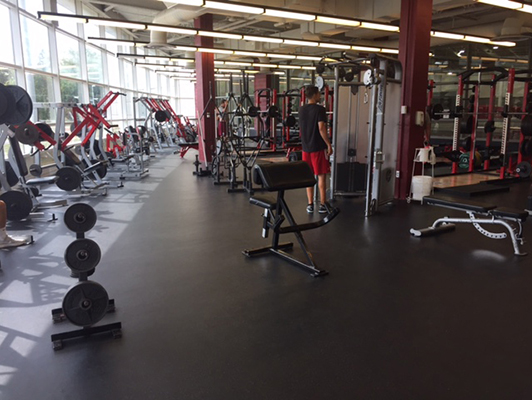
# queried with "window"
point(115, 111)
point(6, 44)
point(67, 7)
point(71, 91)
point(94, 64)
point(31, 6)
point(141, 79)
point(128, 75)
point(153, 82)
point(36, 45)
point(7, 76)
point(113, 69)
point(40, 88)
point(91, 30)
point(96, 93)
point(68, 52)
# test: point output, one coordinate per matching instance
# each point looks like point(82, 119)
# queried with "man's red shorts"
point(317, 161)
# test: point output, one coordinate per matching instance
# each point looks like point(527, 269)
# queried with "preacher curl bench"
point(479, 214)
point(279, 177)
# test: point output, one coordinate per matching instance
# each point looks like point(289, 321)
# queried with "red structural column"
point(205, 89)
point(414, 46)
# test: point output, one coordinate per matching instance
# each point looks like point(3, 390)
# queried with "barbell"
point(272, 112)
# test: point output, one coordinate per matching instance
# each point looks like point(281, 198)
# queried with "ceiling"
point(464, 16)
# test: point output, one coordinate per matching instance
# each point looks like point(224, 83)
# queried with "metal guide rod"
point(371, 147)
point(475, 123)
point(506, 120)
point(456, 128)
point(334, 135)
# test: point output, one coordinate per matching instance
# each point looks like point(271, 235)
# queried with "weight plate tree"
point(82, 255)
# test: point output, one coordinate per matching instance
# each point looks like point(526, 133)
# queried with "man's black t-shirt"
point(309, 116)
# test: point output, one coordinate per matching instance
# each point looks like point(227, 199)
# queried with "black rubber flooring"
point(398, 317)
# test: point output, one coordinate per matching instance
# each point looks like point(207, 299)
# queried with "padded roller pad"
point(505, 212)
point(268, 202)
point(47, 180)
point(458, 204)
point(285, 175)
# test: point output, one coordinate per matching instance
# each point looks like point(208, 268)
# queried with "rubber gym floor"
point(398, 317)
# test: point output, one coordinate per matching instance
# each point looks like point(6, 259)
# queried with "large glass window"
point(95, 64)
point(31, 6)
point(91, 30)
point(6, 44)
point(96, 93)
point(71, 91)
point(141, 79)
point(128, 75)
point(69, 59)
point(7, 76)
point(113, 69)
point(36, 45)
point(67, 7)
point(153, 82)
point(41, 90)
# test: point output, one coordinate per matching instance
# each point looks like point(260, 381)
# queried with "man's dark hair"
point(310, 91)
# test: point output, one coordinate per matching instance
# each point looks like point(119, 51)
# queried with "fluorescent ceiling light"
point(337, 21)
point(251, 71)
point(514, 5)
point(289, 15)
point(61, 17)
point(185, 48)
point(476, 39)
point(446, 35)
point(171, 29)
point(197, 3)
point(335, 46)
point(288, 56)
point(380, 27)
point(249, 53)
point(219, 62)
point(289, 66)
point(214, 51)
point(526, 8)
point(265, 65)
point(237, 63)
point(263, 39)
point(309, 68)
point(507, 44)
point(124, 55)
point(309, 58)
point(279, 73)
point(362, 48)
point(391, 51)
point(116, 24)
point(229, 71)
point(233, 7)
point(114, 41)
point(301, 43)
point(222, 35)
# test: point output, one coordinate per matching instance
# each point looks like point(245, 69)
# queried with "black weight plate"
point(82, 255)
point(349, 77)
point(11, 176)
point(436, 112)
point(46, 129)
point(85, 303)
point(35, 170)
point(526, 125)
point(18, 204)
point(101, 170)
point(80, 218)
point(290, 121)
point(528, 108)
point(27, 134)
point(320, 69)
point(466, 143)
point(466, 125)
point(273, 111)
point(341, 72)
point(23, 106)
point(7, 103)
point(524, 169)
point(489, 127)
point(253, 111)
point(161, 116)
point(526, 148)
point(69, 178)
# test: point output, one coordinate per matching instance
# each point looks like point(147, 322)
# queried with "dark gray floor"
point(397, 318)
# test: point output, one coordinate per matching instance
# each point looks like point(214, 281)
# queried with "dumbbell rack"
point(86, 302)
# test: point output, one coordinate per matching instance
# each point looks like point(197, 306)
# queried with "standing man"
point(316, 144)
point(222, 117)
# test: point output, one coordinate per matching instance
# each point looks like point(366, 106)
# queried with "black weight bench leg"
point(266, 249)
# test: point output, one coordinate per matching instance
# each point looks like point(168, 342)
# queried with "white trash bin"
point(421, 186)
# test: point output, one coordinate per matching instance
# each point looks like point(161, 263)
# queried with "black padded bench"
point(279, 177)
point(479, 214)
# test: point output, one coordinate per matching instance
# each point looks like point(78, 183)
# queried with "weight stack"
point(351, 177)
